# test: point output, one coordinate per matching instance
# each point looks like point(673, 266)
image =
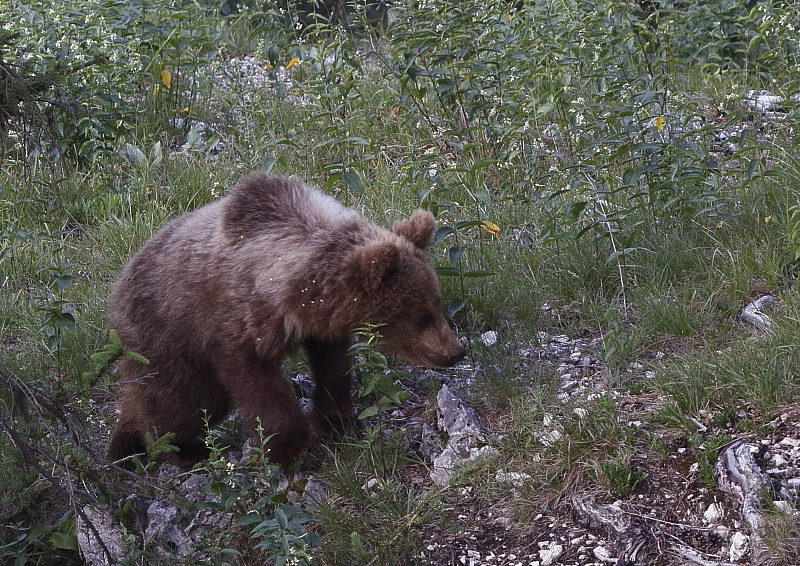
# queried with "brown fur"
point(217, 297)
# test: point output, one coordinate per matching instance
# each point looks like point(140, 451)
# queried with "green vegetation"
point(593, 169)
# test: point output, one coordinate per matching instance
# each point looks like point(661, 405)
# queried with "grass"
point(619, 206)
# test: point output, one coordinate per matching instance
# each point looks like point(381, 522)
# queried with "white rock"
point(740, 544)
point(161, 528)
point(550, 437)
point(550, 555)
point(517, 479)
point(90, 548)
point(504, 522)
point(489, 338)
point(714, 513)
point(763, 101)
point(602, 554)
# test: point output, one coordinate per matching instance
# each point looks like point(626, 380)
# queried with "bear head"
point(401, 290)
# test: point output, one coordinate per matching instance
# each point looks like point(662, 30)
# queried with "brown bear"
point(218, 296)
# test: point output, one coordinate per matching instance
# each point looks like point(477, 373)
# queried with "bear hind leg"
point(158, 409)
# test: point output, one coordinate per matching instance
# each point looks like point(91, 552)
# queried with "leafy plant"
point(57, 313)
point(379, 381)
point(706, 456)
point(30, 544)
point(106, 357)
point(251, 491)
point(622, 478)
point(281, 535)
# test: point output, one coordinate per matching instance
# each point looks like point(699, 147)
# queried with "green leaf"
point(194, 140)
point(442, 232)
point(155, 154)
point(249, 519)
point(484, 196)
point(312, 538)
point(137, 357)
point(133, 154)
point(482, 164)
point(644, 146)
point(468, 224)
point(268, 164)
point(631, 176)
point(447, 271)
point(454, 254)
point(63, 541)
point(478, 273)
point(36, 531)
point(65, 320)
point(212, 142)
point(454, 306)
point(353, 182)
point(545, 109)
point(577, 208)
point(52, 343)
point(619, 253)
point(368, 412)
point(751, 168)
point(61, 282)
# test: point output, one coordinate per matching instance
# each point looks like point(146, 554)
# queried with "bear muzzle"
point(444, 357)
point(457, 355)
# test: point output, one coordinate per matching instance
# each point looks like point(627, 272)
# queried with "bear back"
point(262, 203)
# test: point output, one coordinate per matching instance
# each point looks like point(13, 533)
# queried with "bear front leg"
point(333, 404)
point(266, 402)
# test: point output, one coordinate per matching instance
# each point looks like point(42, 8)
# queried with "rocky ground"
point(673, 517)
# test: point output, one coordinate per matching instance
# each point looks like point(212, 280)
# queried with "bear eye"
point(423, 321)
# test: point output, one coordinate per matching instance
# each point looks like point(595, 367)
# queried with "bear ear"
point(418, 228)
point(378, 263)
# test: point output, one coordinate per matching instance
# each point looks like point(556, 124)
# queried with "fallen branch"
point(752, 312)
point(634, 542)
point(739, 475)
point(697, 559)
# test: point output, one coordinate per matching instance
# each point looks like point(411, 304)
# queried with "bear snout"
point(458, 355)
point(447, 356)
